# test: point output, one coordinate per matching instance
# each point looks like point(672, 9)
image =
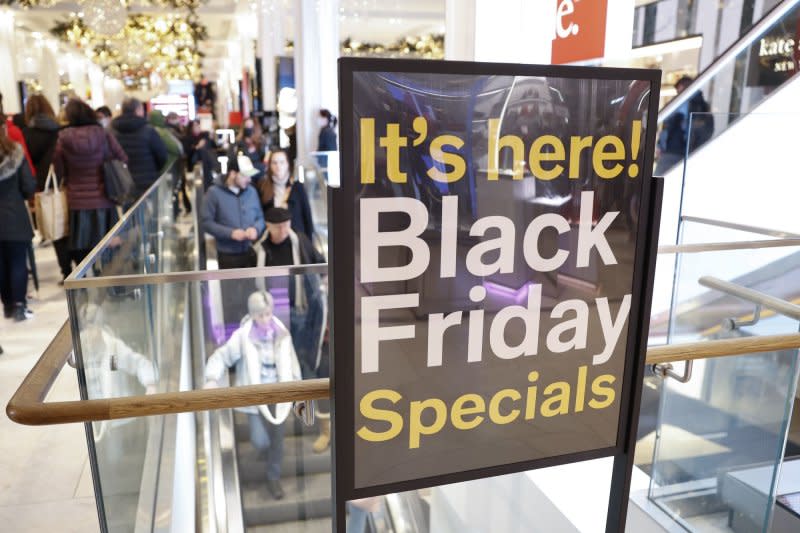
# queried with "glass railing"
point(160, 325)
point(144, 241)
point(713, 446)
point(321, 172)
point(738, 188)
point(719, 439)
point(131, 339)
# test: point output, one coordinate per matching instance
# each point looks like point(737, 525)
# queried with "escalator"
point(305, 477)
point(756, 75)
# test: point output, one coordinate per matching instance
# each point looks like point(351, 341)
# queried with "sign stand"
point(623, 462)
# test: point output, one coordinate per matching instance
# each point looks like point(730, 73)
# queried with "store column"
point(248, 30)
point(513, 31)
point(316, 50)
point(78, 75)
point(270, 45)
point(48, 72)
point(8, 55)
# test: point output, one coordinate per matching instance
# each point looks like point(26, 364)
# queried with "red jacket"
point(15, 134)
point(78, 160)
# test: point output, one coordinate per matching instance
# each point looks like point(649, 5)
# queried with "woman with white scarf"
point(262, 352)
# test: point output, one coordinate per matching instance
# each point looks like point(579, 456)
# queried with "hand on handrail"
point(211, 384)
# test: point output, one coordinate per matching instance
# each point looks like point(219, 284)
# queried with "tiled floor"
point(45, 483)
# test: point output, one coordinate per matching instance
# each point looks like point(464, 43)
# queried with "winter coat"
point(297, 204)
point(16, 185)
point(327, 139)
point(41, 136)
point(675, 133)
point(147, 153)
point(171, 141)
point(241, 352)
point(225, 211)
point(78, 159)
point(15, 134)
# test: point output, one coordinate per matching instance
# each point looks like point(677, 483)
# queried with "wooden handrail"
point(27, 406)
point(674, 353)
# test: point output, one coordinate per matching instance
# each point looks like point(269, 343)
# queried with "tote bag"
point(52, 213)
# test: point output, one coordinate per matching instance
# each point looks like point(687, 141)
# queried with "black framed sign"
point(492, 251)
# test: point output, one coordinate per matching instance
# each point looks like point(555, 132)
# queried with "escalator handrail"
point(733, 50)
point(723, 246)
point(770, 302)
point(27, 406)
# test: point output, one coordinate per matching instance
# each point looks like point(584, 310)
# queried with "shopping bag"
point(52, 213)
point(120, 187)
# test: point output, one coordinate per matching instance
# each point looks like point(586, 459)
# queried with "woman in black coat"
point(280, 189)
point(41, 134)
point(16, 185)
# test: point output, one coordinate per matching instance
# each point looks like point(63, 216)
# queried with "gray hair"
point(130, 106)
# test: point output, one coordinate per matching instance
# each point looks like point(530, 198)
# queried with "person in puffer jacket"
point(261, 349)
point(16, 185)
point(147, 153)
point(81, 149)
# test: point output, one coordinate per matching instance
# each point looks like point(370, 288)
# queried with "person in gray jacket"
point(232, 214)
point(261, 350)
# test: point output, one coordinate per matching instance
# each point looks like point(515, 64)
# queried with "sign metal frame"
point(342, 294)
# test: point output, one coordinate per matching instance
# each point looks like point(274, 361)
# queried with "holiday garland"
point(165, 45)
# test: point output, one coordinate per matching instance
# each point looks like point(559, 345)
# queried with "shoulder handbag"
point(120, 187)
point(50, 206)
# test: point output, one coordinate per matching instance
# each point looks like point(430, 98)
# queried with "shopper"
point(78, 159)
point(231, 214)
point(261, 350)
point(675, 137)
point(171, 142)
point(14, 133)
point(200, 148)
point(179, 194)
point(41, 134)
point(16, 185)
point(250, 143)
point(146, 152)
point(103, 116)
point(327, 132)
point(280, 189)
point(284, 247)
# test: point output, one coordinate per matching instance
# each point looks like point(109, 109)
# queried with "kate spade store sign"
point(774, 57)
point(491, 248)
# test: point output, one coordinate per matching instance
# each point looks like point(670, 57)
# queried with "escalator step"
point(307, 497)
point(320, 525)
point(253, 463)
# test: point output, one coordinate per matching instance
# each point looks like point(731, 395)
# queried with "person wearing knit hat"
point(261, 350)
point(282, 246)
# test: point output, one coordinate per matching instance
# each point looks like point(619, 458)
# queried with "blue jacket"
point(224, 211)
